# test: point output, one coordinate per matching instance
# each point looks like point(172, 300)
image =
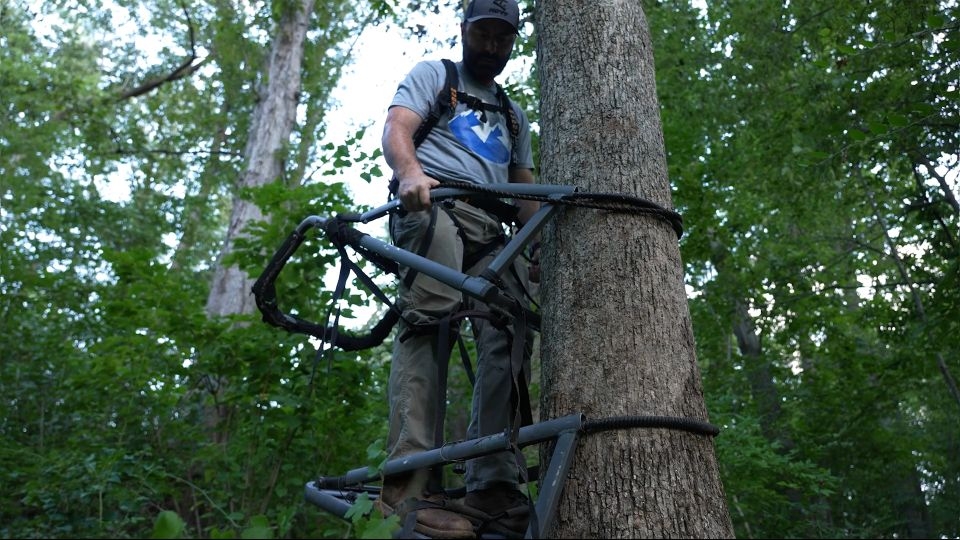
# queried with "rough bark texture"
point(272, 123)
point(617, 338)
point(270, 130)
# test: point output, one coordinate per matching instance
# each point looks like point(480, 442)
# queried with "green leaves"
point(168, 525)
point(801, 141)
point(794, 155)
point(368, 521)
point(117, 384)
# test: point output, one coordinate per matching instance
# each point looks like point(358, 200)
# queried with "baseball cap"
point(505, 10)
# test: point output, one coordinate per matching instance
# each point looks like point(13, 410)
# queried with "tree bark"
point(271, 126)
point(273, 121)
point(617, 338)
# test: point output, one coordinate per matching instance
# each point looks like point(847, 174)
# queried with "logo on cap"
point(505, 10)
point(499, 7)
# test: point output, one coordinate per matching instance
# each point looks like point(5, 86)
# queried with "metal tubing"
point(552, 486)
point(326, 500)
point(516, 244)
point(536, 433)
point(474, 286)
point(440, 193)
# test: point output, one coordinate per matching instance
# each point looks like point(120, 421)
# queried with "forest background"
point(812, 151)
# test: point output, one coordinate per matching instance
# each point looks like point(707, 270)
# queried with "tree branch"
point(186, 68)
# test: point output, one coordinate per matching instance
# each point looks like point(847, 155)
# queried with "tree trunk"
point(271, 126)
point(273, 121)
point(617, 338)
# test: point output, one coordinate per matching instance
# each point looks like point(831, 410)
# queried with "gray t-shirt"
point(462, 147)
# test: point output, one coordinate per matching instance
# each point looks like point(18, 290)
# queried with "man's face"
point(487, 45)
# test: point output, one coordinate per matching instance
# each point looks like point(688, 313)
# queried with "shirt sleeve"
point(418, 90)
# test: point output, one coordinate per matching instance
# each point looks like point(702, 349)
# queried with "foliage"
point(366, 518)
point(811, 149)
point(803, 139)
point(110, 364)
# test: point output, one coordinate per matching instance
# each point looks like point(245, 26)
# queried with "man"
point(471, 145)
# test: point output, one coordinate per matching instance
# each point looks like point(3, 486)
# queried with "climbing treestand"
point(337, 494)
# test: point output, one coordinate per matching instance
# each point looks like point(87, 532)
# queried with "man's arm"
point(414, 185)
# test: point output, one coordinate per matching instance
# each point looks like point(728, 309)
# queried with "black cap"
point(505, 10)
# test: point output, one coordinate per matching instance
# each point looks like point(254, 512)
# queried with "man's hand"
point(413, 185)
point(414, 192)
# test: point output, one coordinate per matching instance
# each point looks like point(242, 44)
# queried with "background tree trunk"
point(617, 337)
point(273, 121)
point(270, 129)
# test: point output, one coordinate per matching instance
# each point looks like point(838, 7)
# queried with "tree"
point(108, 355)
point(270, 129)
point(273, 120)
point(617, 337)
point(818, 110)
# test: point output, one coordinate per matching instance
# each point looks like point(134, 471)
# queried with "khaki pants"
point(413, 385)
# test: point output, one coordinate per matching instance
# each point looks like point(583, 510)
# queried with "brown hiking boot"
point(507, 507)
point(433, 518)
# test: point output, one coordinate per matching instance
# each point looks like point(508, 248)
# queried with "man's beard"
point(484, 66)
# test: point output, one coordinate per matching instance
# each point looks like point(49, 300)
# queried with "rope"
point(614, 202)
point(668, 422)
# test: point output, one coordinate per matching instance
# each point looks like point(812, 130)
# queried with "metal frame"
point(482, 286)
point(337, 494)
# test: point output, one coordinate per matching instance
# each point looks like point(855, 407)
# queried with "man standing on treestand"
point(473, 143)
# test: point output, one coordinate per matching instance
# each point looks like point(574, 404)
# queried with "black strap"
point(335, 312)
point(519, 397)
point(445, 103)
point(513, 124)
point(445, 327)
point(520, 400)
point(424, 246)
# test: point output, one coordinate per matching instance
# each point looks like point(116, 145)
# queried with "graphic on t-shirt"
point(485, 139)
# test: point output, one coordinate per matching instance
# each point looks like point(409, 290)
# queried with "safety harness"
point(446, 102)
point(448, 326)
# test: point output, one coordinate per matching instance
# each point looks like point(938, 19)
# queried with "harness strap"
point(519, 396)
point(513, 123)
point(485, 250)
point(520, 400)
point(337, 230)
point(444, 328)
point(335, 311)
point(446, 101)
